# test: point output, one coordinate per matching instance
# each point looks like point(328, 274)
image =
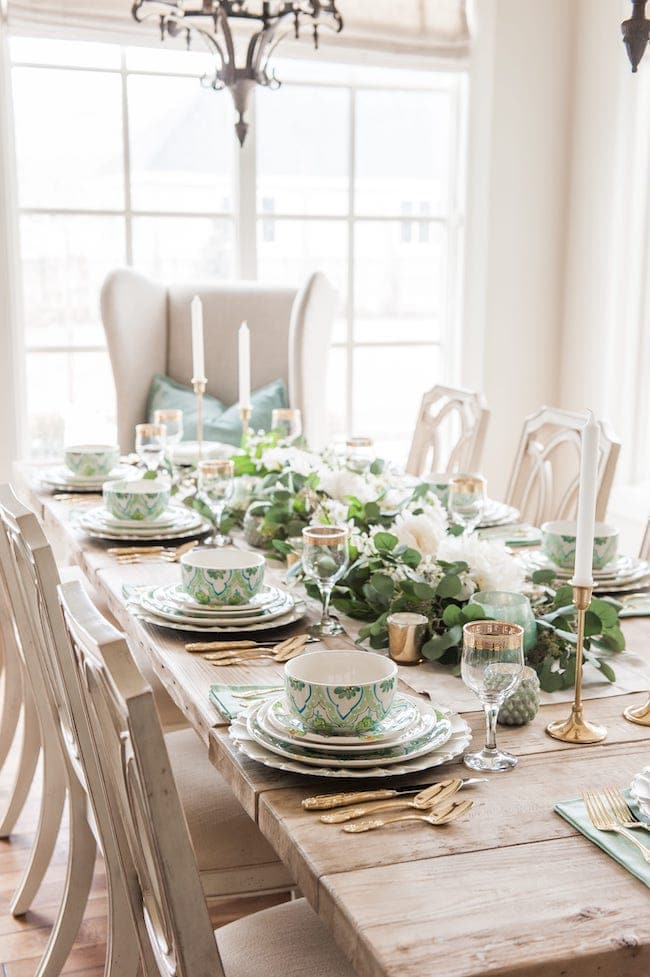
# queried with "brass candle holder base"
point(199, 384)
point(245, 413)
point(638, 714)
point(577, 729)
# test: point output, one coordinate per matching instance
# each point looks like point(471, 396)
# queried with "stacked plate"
point(170, 607)
point(498, 514)
point(622, 574)
point(176, 522)
point(414, 736)
point(61, 479)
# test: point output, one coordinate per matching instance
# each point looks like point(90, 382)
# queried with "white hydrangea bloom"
point(299, 461)
point(423, 532)
point(491, 564)
point(342, 483)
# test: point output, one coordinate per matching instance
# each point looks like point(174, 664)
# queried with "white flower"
point(423, 532)
point(331, 512)
point(299, 461)
point(342, 484)
point(491, 565)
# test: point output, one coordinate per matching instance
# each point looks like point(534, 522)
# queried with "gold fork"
point(601, 819)
point(444, 815)
point(168, 554)
point(621, 810)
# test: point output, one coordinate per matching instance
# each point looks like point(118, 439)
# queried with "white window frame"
point(245, 215)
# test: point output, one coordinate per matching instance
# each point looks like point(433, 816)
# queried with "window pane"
point(399, 281)
point(336, 398)
point(403, 141)
point(168, 60)
point(68, 54)
point(302, 150)
point(182, 145)
point(388, 383)
point(70, 399)
point(181, 248)
point(65, 260)
point(288, 251)
point(69, 138)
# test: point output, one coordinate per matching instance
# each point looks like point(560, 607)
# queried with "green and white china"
point(222, 576)
point(152, 601)
point(499, 605)
point(403, 714)
point(336, 692)
point(141, 499)
point(91, 460)
point(559, 543)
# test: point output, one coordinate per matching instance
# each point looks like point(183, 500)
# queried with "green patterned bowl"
point(222, 576)
point(140, 499)
point(91, 460)
point(559, 543)
point(340, 692)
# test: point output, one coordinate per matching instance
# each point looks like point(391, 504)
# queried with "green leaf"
point(607, 670)
point(385, 542)
point(543, 576)
point(550, 680)
point(422, 591)
point(455, 530)
point(474, 612)
point(382, 584)
point(449, 586)
point(411, 558)
point(605, 611)
point(436, 647)
point(150, 476)
point(452, 615)
point(563, 595)
point(372, 511)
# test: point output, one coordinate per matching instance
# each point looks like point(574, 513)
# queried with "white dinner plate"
point(61, 479)
point(160, 608)
point(457, 743)
point(626, 573)
point(498, 514)
point(296, 614)
point(182, 519)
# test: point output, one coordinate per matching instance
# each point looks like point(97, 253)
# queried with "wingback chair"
point(148, 331)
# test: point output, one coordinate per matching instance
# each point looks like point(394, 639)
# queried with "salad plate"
point(61, 479)
point(403, 714)
point(151, 603)
point(291, 617)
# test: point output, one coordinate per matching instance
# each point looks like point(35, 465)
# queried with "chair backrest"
point(172, 922)
point(449, 433)
point(644, 552)
point(545, 476)
point(148, 331)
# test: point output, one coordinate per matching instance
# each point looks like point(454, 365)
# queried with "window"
point(123, 158)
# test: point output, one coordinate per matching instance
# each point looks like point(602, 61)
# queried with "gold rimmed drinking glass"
point(150, 443)
point(466, 500)
point(359, 453)
point(216, 484)
point(288, 421)
point(491, 665)
point(325, 560)
point(173, 421)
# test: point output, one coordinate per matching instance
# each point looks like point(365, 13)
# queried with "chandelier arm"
point(221, 20)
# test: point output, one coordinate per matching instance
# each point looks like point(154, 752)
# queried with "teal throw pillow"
point(220, 423)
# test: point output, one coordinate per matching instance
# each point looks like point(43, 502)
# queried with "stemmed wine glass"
point(173, 421)
point(216, 485)
point(359, 453)
point(324, 560)
point(466, 500)
point(150, 443)
point(287, 420)
point(491, 665)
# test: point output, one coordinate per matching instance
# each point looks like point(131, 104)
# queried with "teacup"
point(340, 692)
point(91, 460)
point(141, 499)
point(222, 576)
point(559, 543)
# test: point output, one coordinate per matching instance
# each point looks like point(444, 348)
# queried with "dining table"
point(511, 889)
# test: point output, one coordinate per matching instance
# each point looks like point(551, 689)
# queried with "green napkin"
point(637, 606)
point(222, 697)
point(615, 845)
point(517, 534)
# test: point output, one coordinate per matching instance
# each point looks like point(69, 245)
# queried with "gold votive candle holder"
point(406, 635)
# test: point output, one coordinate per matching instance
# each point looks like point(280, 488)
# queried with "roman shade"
point(419, 28)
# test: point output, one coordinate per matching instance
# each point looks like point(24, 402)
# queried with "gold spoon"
point(425, 800)
point(446, 815)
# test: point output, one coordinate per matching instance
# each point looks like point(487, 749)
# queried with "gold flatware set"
point(608, 811)
point(145, 554)
point(247, 652)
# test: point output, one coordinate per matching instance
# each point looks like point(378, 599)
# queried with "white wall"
point(519, 169)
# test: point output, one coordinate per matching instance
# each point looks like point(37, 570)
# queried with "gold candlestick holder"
point(638, 714)
point(577, 729)
point(199, 384)
point(245, 413)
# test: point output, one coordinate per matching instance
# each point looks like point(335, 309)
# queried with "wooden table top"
point(513, 890)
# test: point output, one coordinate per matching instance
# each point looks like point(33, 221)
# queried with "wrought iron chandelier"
point(636, 32)
point(211, 21)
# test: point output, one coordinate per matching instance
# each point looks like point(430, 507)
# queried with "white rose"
point(423, 532)
point(342, 484)
point(491, 565)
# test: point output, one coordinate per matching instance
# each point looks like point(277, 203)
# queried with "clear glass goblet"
point(150, 444)
point(513, 608)
point(466, 500)
point(325, 560)
point(216, 485)
point(491, 665)
point(288, 421)
point(359, 453)
point(173, 421)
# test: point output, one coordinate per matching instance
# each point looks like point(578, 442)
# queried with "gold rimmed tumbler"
point(216, 484)
point(288, 421)
point(466, 498)
point(150, 444)
point(324, 560)
point(491, 666)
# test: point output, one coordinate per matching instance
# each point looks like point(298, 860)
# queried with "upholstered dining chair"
point(170, 930)
point(644, 552)
point(233, 857)
point(147, 326)
point(545, 475)
point(449, 432)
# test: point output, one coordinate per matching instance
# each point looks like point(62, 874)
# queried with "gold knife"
point(326, 802)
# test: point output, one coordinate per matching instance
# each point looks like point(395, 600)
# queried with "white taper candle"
point(198, 362)
point(582, 575)
point(244, 365)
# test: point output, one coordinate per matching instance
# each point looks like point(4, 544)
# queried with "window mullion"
point(126, 153)
point(350, 310)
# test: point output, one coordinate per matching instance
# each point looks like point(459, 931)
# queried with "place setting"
point(85, 469)
point(222, 590)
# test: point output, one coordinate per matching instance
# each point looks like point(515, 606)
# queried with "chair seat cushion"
point(220, 423)
point(285, 941)
point(226, 841)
